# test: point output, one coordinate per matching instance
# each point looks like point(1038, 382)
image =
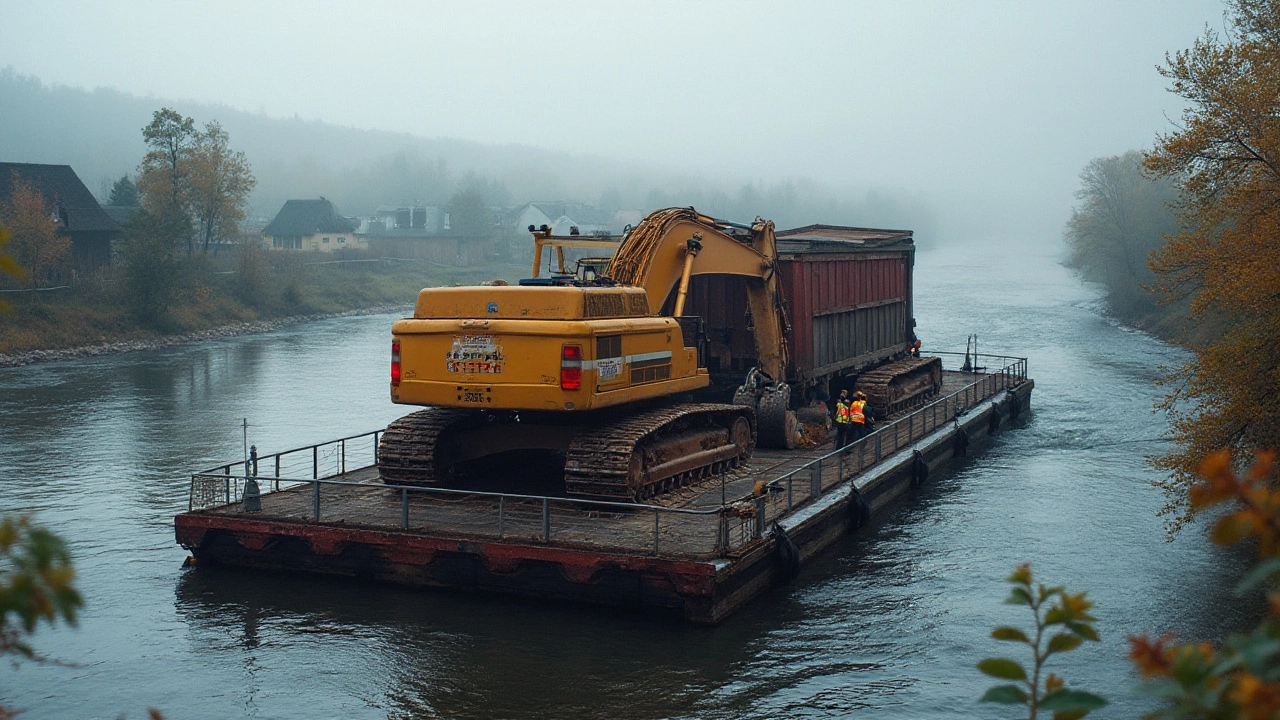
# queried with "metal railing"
point(714, 532)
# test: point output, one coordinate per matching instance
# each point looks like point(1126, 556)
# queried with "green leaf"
point(1005, 695)
point(1018, 596)
point(1062, 642)
point(1071, 700)
point(1262, 572)
point(1010, 633)
point(1084, 630)
point(1003, 669)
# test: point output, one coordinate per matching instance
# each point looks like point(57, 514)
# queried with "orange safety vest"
point(842, 412)
point(855, 412)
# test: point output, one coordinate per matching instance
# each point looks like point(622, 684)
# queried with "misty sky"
point(989, 110)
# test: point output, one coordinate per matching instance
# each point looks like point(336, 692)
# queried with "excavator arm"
point(670, 246)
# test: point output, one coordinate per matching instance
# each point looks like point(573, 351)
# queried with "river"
point(888, 624)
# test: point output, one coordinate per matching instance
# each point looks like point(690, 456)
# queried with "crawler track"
point(642, 455)
point(902, 384)
point(408, 447)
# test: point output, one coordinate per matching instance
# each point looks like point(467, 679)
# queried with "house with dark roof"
point(312, 225)
point(72, 206)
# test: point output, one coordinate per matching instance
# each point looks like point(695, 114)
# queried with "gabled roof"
point(307, 217)
point(66, 196)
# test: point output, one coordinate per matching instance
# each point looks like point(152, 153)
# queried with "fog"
point(987, 111)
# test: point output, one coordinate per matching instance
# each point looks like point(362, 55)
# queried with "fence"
point(308, 473)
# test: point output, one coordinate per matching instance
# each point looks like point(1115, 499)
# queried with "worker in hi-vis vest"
point(844, 425)
point(858, 415)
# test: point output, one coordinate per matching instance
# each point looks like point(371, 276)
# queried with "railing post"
point(546, 520)
point(878, 447)
point(315, 462)
point(656, 516)
point(375, 447)
point(501, 514)
point(789, 484)
point(316, 513)
point(840, 466)
point(404, 508)
point(342, 457)
point(815, 480)
point(758, 531)
point(911, 428)
point(277, 465)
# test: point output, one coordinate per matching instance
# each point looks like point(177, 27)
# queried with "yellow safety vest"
point(855, 412)
point(842, 412)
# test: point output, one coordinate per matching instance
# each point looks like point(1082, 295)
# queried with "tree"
point(1225, 161)
point(469, 215)
point(150, 268)
point(124, 193)
point(1122, 218)
point(162, 176)
point(8, 266)
point(35, 242)
point(219, 184)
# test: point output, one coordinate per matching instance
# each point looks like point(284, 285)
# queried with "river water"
point(888, 624)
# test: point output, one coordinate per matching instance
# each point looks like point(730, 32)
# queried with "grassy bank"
point(211, 294)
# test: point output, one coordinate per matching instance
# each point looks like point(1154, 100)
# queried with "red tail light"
point(395, 362)
point(571, 367)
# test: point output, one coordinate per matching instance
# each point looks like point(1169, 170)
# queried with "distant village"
point(317, 225)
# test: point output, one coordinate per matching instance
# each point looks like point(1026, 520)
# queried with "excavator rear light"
point(571, 367)
point(395, 362)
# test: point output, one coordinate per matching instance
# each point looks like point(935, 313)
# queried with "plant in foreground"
point(1240, 679)
point(1055, 611)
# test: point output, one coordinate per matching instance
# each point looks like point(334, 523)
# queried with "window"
point(326, 240)
point(342, 239)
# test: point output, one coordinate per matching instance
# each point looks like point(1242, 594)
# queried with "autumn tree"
point(150, 268)
point(1225, 161)
point(1122, 217)
point(219, 181)
point(35, 243)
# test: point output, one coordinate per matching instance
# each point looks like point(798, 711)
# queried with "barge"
point(701, 552)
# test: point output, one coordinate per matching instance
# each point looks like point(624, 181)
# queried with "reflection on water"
point(888, 624)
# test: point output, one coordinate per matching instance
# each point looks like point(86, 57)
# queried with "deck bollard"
point(251, 500)
point(404, 508)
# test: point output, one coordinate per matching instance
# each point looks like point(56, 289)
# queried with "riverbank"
point(30, 357)
point(97, 317)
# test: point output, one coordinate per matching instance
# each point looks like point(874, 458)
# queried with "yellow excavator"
point(596, 365)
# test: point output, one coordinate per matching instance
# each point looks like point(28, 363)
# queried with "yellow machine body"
point(504, 348)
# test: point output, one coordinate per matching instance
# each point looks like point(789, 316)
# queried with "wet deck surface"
point(688, 521)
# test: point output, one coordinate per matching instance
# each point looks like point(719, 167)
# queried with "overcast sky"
point(992, 107)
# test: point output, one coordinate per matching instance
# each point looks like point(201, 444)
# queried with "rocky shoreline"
point(30, 357)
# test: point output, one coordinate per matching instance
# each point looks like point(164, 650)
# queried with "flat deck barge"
point(702, 551)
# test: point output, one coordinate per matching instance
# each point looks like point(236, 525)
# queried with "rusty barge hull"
point(575, 566)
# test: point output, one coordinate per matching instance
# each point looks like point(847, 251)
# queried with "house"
point(72, 207)
point(312, 225)
point(562, 216)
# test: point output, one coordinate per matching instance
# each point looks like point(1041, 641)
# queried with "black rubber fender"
point(961, 447)
point(788, 555)
point(859, 511)
point(1015, 406)
point(919, 469)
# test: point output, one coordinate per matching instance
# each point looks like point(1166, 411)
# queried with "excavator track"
point(642, 455)
point(901, 384)
point(407, 449)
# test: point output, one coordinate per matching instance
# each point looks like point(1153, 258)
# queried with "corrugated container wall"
point(849, 303)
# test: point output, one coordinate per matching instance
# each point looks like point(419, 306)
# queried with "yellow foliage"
point(1225, 161)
